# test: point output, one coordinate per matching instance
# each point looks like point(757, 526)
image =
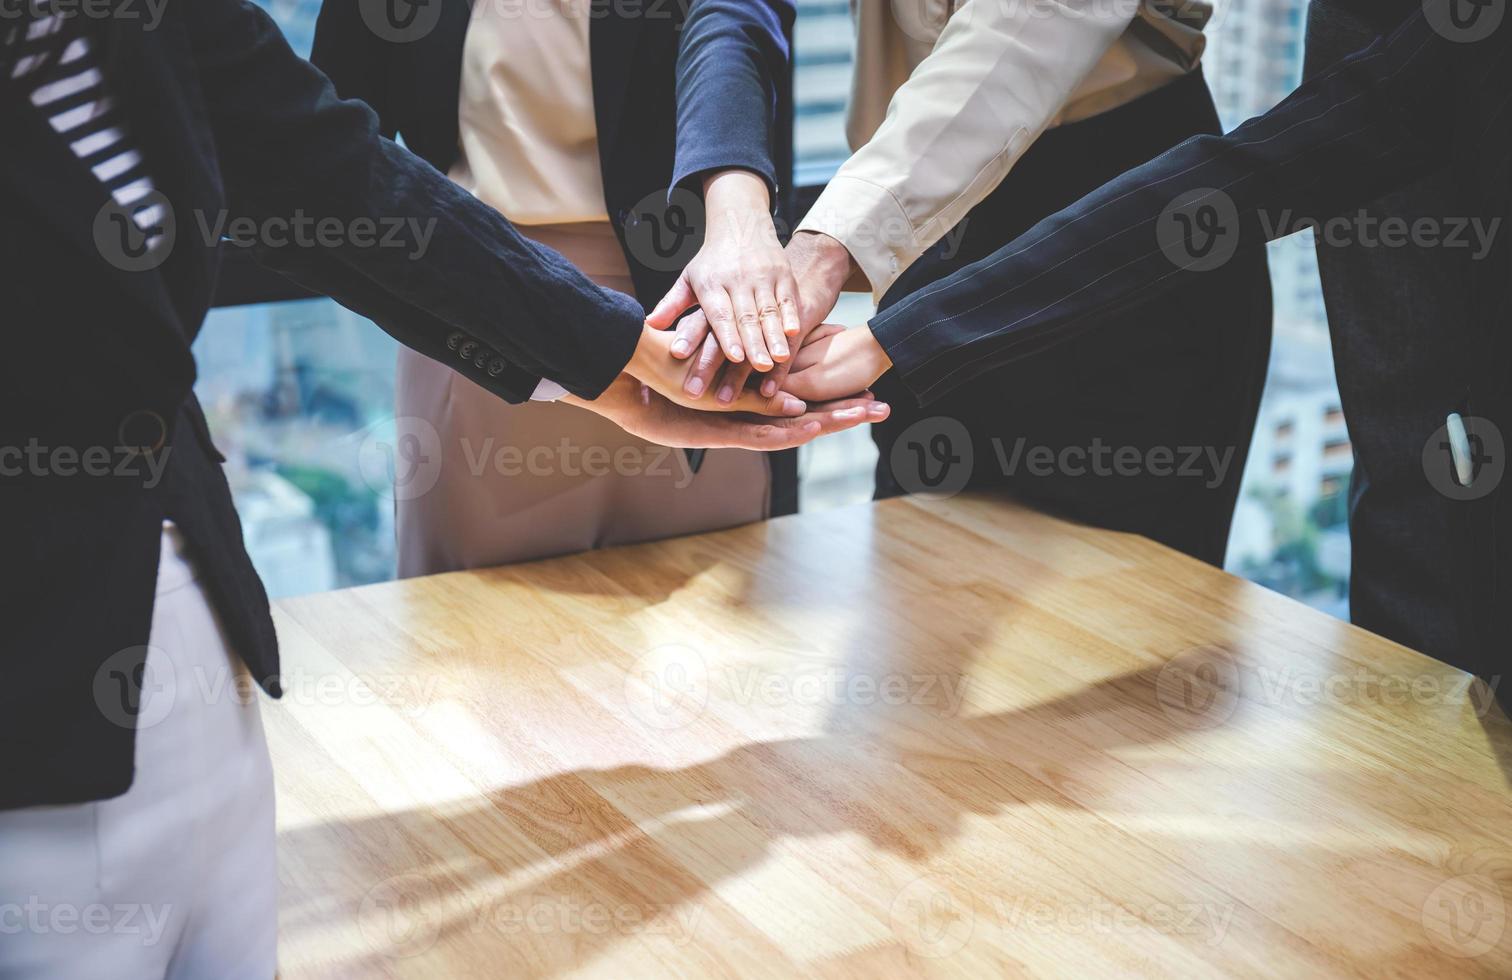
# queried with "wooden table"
point(940, 738)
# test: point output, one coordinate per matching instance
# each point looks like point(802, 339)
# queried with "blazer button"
point(481, 359)
point(467, 349)
point(455, 341)
point(496, 367)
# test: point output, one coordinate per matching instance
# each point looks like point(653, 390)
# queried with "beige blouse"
point(529, 140)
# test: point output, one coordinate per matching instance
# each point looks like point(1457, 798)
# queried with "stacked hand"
point(830, 363)
point(758, 304)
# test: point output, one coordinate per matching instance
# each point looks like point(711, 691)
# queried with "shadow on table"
point(610, 851)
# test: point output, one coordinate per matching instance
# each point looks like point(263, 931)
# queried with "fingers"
point(732, 382)
point(678, 298)
point(702, 369)
point(787, 433)
point(690, 334)
point(787, 300)
point(776, 378)
point(748, 320)
point(771, 323)
point(721, 314)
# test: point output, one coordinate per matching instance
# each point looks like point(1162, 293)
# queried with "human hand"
point(653, 364)
point(642, 412)
point(821, 265)
point(836, 362)
point(739, 278)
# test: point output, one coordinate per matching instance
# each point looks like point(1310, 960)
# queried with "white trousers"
point(178, 876)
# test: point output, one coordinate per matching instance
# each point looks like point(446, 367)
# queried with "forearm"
point(1374, 122)
point(998, 75)
point(732, 59)
point(399, 235)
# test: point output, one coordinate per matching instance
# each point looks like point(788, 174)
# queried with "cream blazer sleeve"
point(998, 75)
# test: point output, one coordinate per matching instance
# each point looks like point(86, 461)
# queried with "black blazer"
point(97, 359)
point(680, 88)
point(1411, 104)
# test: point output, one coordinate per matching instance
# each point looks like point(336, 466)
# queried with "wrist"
point(732, 195)
point(875, 352)
point(823, 257)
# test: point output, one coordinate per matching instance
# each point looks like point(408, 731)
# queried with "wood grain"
point(919, 738)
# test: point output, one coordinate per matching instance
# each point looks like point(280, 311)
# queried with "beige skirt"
point(520, 482)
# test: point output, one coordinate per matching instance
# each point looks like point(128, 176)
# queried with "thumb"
point(672, 305)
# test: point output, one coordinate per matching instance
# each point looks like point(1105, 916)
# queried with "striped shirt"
point(57, 59)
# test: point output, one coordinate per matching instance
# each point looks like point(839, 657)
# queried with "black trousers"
point(1405, 355)
point(1142, 424)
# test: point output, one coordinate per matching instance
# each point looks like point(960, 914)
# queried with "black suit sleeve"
point(502, 310)
point(354, 57)
point(730, 63)
point(1375, 121)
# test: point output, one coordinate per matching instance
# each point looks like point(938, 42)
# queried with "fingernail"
point(681, 347)
point(768, 388)
point(726, 394)
point(878, 409)
point(793, 406)
point(780, 350)
point(845, 414)
point(736, 353)
point(762, 361)
point(695, 386)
